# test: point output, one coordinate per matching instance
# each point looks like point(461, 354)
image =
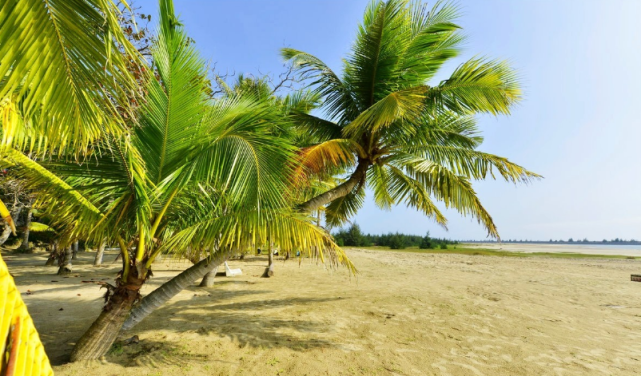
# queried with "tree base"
point(65, 270)
point(104, 331)
point(269, 272)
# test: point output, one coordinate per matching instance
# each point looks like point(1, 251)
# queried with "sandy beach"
point(404, 314)
point(589, 249)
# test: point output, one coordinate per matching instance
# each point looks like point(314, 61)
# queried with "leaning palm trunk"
point(99, 254)
point(103, 332)
point(65, 263)
point(357, 178)
point(172, 287)
point(208, 279)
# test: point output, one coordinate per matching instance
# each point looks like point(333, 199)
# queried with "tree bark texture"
point(98, 339)
point(65, 263)
point(269, 271)
point(208, 279)
point(97, 261)
point(24, 247)
point(75, 250)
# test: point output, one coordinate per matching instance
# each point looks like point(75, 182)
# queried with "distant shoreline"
point(550, 243)
point(583, 248)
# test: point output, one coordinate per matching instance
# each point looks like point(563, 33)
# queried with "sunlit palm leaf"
point(63, 63)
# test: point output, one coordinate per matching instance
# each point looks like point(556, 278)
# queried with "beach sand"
point(589, 249)
point(404, 314)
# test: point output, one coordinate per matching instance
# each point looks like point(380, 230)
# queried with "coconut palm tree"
point(193, 173)
point(408, 140)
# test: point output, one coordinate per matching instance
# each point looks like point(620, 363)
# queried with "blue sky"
point(578, 125)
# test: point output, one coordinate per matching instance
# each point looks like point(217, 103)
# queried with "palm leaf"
point(343, 208)
point(478, 85)
point(26, 356)
point(472, 164)
point(66, 65)
point(339, 103)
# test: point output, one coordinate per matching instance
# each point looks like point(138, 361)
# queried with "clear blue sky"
point(578, 126)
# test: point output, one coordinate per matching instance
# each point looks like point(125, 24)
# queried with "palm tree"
point(409, 141)
point(193, 173)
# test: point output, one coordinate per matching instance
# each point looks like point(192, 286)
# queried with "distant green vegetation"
point(354, 237)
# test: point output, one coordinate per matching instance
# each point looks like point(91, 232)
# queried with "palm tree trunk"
point(172, 287)
point(269, 271)
point(53, 255)
point(103, 332)
point(97, 261)
point(6, 232)
point(24, 247)
point(358, 176)
point(65, 264)
point(208, 279)
point(75, 250)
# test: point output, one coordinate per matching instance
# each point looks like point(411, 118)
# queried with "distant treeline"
point(616, 241)
point(354, 237)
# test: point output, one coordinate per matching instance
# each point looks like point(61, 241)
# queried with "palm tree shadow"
point(248, 323)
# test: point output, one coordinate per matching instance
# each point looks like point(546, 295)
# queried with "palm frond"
point(405, 189)
point(472, 164)
point(478, 85)
point(318, 129)
point(66, 65)
point(338, 101)
point(176, 102)
point(446, 129)
point(246, 229)
point(69, 209)
point(326, 157)
point(376, 53)
point(394, 108)
point(378, 179)
point(433, 40)
point(455, 192)
point(343, 208)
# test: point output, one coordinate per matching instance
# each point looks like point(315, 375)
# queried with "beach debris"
point(635, 277)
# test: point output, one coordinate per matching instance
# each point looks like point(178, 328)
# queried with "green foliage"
point(417, 140)
point(195, 172)
point(353, 237)
point(426, 242)
point(397, 241)
point(66, 71)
